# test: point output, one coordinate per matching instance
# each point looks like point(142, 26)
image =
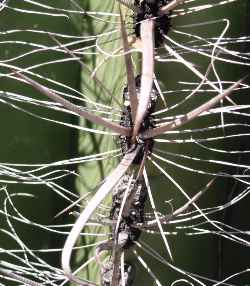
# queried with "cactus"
point(188, 151)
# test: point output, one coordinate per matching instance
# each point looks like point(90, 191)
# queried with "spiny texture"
point(148, 9)
point(126, 121)
point(133, 211)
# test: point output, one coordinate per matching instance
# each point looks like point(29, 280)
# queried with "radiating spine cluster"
point(126, 121)
point(124, 230)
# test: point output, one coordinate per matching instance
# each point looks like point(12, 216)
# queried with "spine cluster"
point(126, 233)
point(126, 121)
